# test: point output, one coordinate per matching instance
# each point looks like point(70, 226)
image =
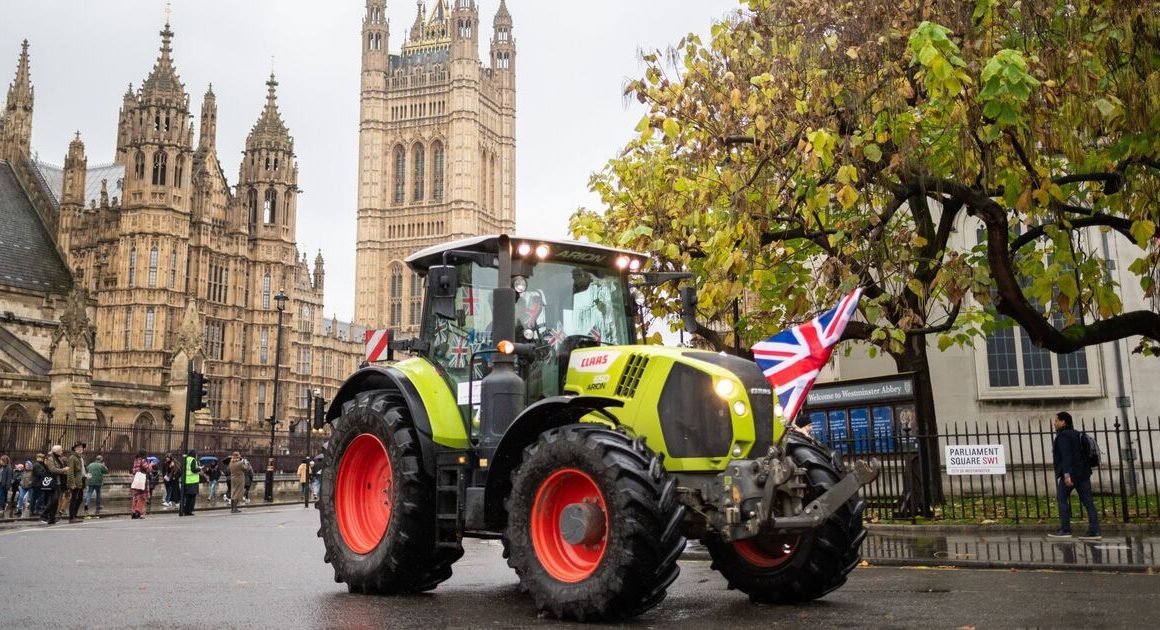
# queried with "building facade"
point(436, 148)
point(164, 262)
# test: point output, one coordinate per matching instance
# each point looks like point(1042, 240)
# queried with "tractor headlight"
point(724, 388)
point(737, 450)
point(739, 408)
point(523, 249)
point(542, 251)
point(520, 284)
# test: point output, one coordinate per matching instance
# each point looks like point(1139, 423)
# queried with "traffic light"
point(319, 412)
point(197, 391)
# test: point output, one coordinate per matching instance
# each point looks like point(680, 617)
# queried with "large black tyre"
point(376, 502)
point(627, 568)
point(791, 569)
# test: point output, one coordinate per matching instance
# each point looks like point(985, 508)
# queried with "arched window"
point(396, 296)
point(167, 121)
point(157, 122)
point(437, 171)
point(275, 163)
point(132, 266)
point(370, 41)
point(179, 171)
point(378, 41)
point(160, 163)
point(417, 184)
point(286, 205)
point(267, 162)
point(266, 290)
point(139, 165)
point(149, 328)
point(400, 173)
point(172, 269)
point(269, 205)
point(153, 267)
point(252, 205)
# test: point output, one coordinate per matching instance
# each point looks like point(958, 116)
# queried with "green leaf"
point(671, 128)
point(872, 152)
point(1143, 231)
point(1106, 108)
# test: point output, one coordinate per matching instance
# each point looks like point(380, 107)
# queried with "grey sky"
point(573, 59)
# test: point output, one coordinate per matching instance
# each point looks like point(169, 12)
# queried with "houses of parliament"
point(116, 274)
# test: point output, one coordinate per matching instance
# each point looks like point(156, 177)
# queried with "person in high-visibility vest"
point(190, 479)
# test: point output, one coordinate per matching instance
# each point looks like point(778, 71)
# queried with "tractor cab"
point(567, 295)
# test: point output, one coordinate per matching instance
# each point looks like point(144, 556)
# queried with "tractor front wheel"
point(785, 569)
point(593, 524)
point(377, 503)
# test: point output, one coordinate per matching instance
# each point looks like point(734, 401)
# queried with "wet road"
point(263, 569)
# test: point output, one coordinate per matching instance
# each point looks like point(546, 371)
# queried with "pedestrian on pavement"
point(97, 472)
point(249, 481)
point(77, 475)
point(238, 469)
point(37, 493)
point(316, 478)
point(140, 464)
point(304, 470)
point(52, 483)
point(213, 474)
point(171, 475)
point(24, 498)
point(7, 474)
point(1072, 472)
point(190, 479)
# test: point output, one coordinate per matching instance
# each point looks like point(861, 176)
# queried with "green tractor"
point(526, 413)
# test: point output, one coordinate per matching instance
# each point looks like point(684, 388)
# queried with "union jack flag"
point(594, 333)
point(459, 352)
point(792, 358)
point(556, 335)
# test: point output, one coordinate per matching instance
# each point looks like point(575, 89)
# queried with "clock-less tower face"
point(436, 148)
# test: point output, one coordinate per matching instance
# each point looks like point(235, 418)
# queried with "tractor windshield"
point(564, 303)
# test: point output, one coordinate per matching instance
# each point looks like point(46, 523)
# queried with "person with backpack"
point(27, 490)
point(1072, 472)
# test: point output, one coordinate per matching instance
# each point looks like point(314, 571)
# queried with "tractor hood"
point(691, 395)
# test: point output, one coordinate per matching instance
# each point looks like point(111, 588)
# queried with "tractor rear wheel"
point(784, 569)
point(593, 524)
point(376, 502)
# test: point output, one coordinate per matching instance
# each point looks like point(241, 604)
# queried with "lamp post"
point(281, 301)
point(48, 411)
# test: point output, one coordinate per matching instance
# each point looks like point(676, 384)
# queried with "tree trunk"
point(914, 359)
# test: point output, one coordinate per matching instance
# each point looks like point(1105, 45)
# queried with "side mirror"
point(689, 309)
point(443, 282)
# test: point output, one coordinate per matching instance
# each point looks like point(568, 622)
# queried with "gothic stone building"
point(436, 148)
point(165, 262)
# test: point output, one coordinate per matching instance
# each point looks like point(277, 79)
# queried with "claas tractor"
point(526, 411)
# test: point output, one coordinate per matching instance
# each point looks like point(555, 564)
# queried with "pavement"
point(263, 569)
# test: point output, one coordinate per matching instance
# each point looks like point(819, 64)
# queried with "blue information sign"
point(883, 429)
point(818, 425)
point(839, 435)
point(860, 429)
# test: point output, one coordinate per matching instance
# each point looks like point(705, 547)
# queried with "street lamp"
point(310, 414)
point(281, 300)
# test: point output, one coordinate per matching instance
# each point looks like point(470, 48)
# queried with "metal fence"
point(118, 445)
point(1126, 484)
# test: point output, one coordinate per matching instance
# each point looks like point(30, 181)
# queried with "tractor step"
point(451, 473)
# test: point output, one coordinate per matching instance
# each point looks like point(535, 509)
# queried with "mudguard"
point(527, 427)
point(433, 409)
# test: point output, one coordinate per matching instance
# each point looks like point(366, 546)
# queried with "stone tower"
point(16, 121)
point(142, 295)
point(436, 148)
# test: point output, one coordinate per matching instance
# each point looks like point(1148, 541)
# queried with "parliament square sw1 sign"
point(976, 459)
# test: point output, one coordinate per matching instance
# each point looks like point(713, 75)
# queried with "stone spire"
point(163, 80)
point(319, 272)
point(270, 125)
point(417, 27)
point(208, 138)
point(16, 132)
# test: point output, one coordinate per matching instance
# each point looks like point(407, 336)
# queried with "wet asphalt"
point(264, 569)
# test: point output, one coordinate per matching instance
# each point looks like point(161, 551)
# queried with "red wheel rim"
point(766, 553)
point(564, 561)
point(364, 493)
